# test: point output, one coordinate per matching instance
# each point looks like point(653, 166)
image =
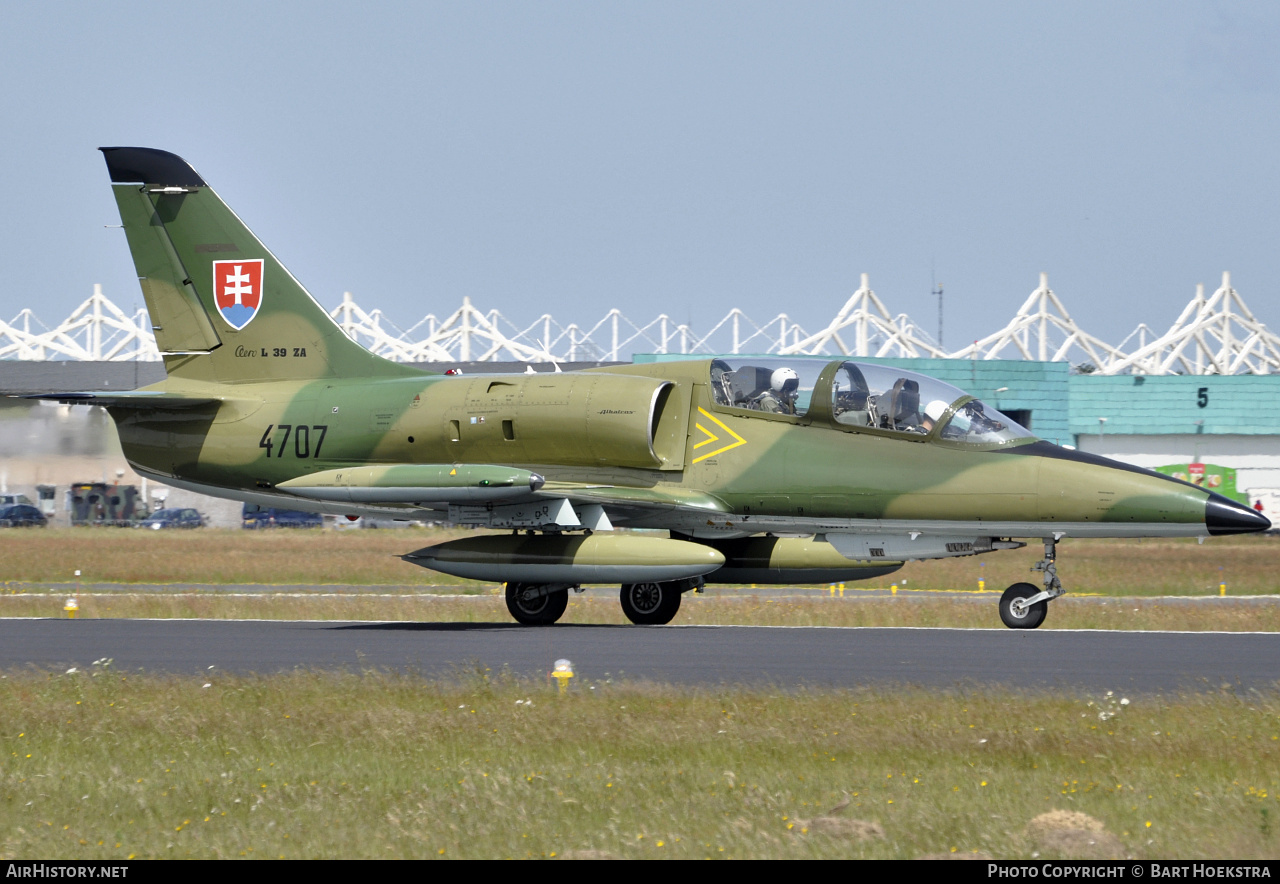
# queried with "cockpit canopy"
point(862, 395)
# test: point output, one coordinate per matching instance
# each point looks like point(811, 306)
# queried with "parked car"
point(269, 517)
point(173, 518)
point(22, 515)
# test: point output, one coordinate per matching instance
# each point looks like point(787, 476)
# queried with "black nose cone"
point(1224, 516)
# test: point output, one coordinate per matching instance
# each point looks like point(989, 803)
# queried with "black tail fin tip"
point(146, 165)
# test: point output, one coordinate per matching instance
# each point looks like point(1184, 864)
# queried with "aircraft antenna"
point(937, 291)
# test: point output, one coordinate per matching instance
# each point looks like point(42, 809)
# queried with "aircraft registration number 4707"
point(301, 439)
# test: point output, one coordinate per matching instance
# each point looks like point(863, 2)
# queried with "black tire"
point(542, 611)
point(650, 604)
point(1031, 617)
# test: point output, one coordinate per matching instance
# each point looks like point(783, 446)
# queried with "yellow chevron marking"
point(712, 437)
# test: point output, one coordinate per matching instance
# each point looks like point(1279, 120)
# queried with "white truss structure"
point(865, 321)
point(468, 335)
point(97, 330)
point(1044, 331)
point(1214, 335)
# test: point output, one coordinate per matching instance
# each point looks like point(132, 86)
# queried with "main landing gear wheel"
point(530, 605)
point(1017, 615)
point(651, 604)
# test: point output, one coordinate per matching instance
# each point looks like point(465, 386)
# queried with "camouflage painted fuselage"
point(269, 402)
point(624, 428)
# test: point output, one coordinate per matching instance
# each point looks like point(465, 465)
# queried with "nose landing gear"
point(1021, 606)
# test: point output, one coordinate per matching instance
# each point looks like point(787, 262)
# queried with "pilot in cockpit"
point(780, 397)
point(933, 413)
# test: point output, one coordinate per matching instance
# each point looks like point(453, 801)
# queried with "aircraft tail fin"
point(223, 308)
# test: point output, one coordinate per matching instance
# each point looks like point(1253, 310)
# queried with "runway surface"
point(784, 657)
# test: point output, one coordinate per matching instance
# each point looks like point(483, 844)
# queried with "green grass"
point(102, 765)
point(370, 558)
point(208, 556)
point(1110, 583)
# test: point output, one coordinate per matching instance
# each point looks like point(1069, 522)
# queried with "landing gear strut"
point(1021, 607)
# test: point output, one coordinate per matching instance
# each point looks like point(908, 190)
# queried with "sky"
point(682, 158)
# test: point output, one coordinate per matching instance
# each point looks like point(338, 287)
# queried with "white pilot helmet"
point(784, 380)
point(935, 410)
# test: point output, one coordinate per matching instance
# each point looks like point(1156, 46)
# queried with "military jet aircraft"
point(739, 470)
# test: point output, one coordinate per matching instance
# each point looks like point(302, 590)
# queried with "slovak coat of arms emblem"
point(237, 290)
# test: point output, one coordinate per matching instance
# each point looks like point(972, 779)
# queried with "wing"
point(627, 497)
point(492, 495)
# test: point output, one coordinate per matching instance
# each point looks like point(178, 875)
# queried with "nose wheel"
point(1014, 610)
point(1022, 606)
